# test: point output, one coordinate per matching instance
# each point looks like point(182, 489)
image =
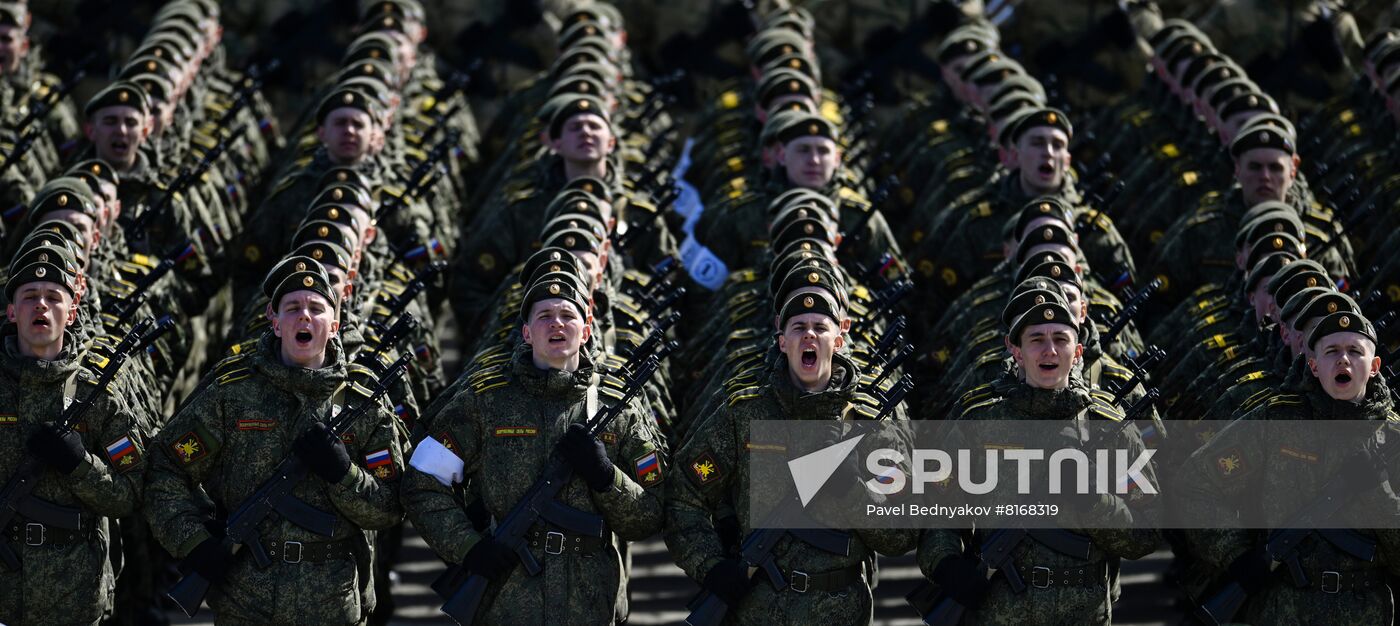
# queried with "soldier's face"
point(1078, 305)
point(1343, 364)
point(810, 161)
point(1265, 174)
point(116, 133)
point(113, 204)
point(340, 281)
point(40, 313)
point(584, 138)
point(1263, 302)
point(347, 133)
point(1046, 355)
point(809, 341)
point(14, 45)
point(305, 322)
point(556, 331)
point(87, 228)
point(1042, 155)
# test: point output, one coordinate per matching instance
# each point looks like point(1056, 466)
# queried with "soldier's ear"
point(1078, 351)
point(1375, 366)
point(1312, 366)
point(335, 325)
point(587, 328)
point(1296, 162)
point(10, 312)
point(88, 131)
point(525, 333)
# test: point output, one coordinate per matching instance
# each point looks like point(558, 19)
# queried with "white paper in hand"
point(434, 459)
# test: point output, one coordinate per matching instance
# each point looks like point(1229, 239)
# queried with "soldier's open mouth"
point(809, 358)
point(1049, 367)
point(1047, 169)
point(1343, 378)
point(41, 322)
point(303, 336)
point(556, 338)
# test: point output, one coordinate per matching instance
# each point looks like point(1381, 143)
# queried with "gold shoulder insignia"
point(745, 394)
point(235, 375)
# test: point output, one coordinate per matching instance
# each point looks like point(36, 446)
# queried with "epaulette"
point(864, 406)
point(1102, 406)
point(1095, 218)
point(729, 100)
point(990, 296)
point(1188, 179)
point(1286, 399)
point(284, 184)
point(642, 205)
point(1167, 150)
point(981, 209)
point(612, 386)
point(984, 404)
point(355, 374)
point(523, 195)
point(1254, 400)
point(975, 394)
point(991, 356)
point(486, 379)
point(1250, 377)
point(1115, 370)
point(745, 394)
point(853, 199)
point(234, 375)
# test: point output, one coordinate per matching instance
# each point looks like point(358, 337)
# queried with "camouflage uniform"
point(68, 577)
point(226, 441)
point(503, 426)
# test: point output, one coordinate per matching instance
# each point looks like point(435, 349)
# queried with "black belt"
point(36, 534)
point(1040, 577)
point(829, 581)
point(561, 542)
point(1337, 581)
point(309, 552)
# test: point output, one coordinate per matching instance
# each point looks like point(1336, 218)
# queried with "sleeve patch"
point(1230, 463)
point(705, 469)
point(123, 455)
point(647, 469)
point(381, 464)
point(189, 448)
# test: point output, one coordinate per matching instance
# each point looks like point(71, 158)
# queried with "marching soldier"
point(91, 471)
point(497, 432)
point(229, 438)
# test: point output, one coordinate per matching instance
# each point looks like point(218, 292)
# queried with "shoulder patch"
point(704, 469)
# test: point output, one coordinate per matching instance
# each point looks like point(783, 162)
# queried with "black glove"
point(963, 579)
point(64, 453)
point(729, 579)
point(323, 452)
point(478, 515)
point(1252, 570)
point(587, 456)
point(211, 560)
point(727, 528)
point(489, 558)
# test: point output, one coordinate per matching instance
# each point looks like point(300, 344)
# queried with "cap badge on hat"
point(1312, 282)
point(555, 256)
point(555, 267)
point(1040, 284)
point(39, 271)
point(1331, 307)
point(582, 205)
point(44, 258)
point(1049, 234)
point(374, 54)
point(814, 129)
point(96, 168)
point(583, 87)
point(347, 98)
point(808, 302)
point(316, 254)
point(1253, 101)
point(806, 245)
point(323, 231)
point(1049, 314)
point(588, 187)
point(123, 96)
point(1278, 243)
point(338, 194)
point(794, 64)
point(1263, 136)
point(301, 265)
point(1045, 207)
point(1055, 271)
point(308, 281)
point(334, 213)
point(814, 278)
point(150, 66)
point(62, 200)
point(1051, 118)
point(971, 46)
point(793, 86)
point(367, 68)
point(583, 104)
point(808, 229)
point(342, 177)
point(786, 49)
point(554, 289)
point(569, 241)
point(388, 21)
point(1040, 299)
point(1344, 322)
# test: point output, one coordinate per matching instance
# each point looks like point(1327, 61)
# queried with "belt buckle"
point(796, 576)
point(1040, 577)
point(287, 547)
point(30, 531)
point(554, 542)
point(1331, 582)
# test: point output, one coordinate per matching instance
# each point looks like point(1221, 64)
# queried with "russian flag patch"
point(380, 463)
point(648, 469)
point(123, 455)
